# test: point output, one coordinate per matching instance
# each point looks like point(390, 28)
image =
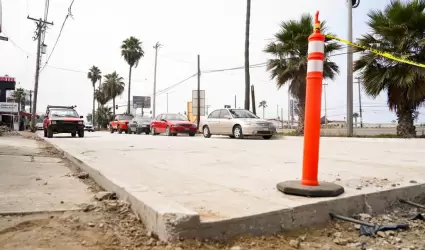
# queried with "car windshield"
point(143, 119)
point(242, 113)
point(175, 117)
point(124, 117)
point(63, 113)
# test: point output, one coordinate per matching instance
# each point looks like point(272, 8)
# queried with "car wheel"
point(231, 136)
point(147, 132)
point(81, 133)
point(153, 131)
point(237, 132)
point(267, 137)
point(119, 130)
point(49, 133)
point(74, 134)
point(168, 131)
point(138, 131)
point(45, 132)
point(111, 129)
point(175, 134)
point(127, 131)
point(206, 132)
point(192, 134)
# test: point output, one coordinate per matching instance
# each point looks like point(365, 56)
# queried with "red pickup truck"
point(120, 123)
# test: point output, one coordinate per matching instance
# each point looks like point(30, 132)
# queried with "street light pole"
point(350, 71)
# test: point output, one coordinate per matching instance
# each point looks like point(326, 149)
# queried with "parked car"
point(140, 125)
point(237, 123)
point(120, 123)
point(172, 124)
point(88, 127)
point(39, 126)
point(62, 119)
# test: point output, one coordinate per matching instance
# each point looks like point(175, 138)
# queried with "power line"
point(16, 45)
point(60, 33)
point(175, 85)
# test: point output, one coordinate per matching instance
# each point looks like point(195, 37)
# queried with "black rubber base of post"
point(325, 189)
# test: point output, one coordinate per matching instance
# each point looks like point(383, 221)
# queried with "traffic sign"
point(3, 38)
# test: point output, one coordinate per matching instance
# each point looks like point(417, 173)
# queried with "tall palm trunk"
point(301, 115)
point(93, 116)
point(263, 111)
point(129, 88)
point(113, 106)
point(405, 126)
point(247, 76)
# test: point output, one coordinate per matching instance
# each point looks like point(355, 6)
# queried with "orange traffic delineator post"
point(309, 184)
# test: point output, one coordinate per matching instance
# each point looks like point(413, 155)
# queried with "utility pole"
point(247, 75)
point(326, 109)
point(41, 24)
point(31, 101)
point(199, 93)
point(360, 103)
point(235, 101)
point(156, 47)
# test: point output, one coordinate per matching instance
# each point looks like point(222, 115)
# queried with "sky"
point(213, 29)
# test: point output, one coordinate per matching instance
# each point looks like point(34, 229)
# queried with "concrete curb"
point(161, 216)
point(171, 221)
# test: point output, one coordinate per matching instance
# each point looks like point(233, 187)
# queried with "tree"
point(94, 75)
point(416, 116)
point(247, 76)
point(113, 87)
point(399, 30)
point(131, 50)
point(19, 96)
point(289, 62)
point(355, 116)
point(263, 104)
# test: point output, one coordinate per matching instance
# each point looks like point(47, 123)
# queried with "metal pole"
point(350, 72)
point(360, 103)
point(199, 93)
point(167, 102)
point(157, 45)
point(326, 109)
point(277, 110)
point(235, 101)
point(289, 105)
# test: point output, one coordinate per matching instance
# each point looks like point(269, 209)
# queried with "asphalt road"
point(360, 131)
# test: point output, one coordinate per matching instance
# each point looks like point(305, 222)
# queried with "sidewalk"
point(33, 180)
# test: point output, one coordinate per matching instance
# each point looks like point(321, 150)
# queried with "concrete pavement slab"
point(32, 184)
point(219, 187)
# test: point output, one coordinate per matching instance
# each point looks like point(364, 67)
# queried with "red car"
point(62, 119)
point(120, 124)
point(173, 124)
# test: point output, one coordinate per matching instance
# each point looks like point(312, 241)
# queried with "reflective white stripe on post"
point(315, 66)
point(316, 46)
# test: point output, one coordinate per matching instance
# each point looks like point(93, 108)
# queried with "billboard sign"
point(8, 107)
point(7, 79)
point(142, 102)
point(195, 102)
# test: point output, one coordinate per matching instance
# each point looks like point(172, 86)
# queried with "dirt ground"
point(110, 224)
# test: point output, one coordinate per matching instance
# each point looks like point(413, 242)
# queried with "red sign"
point(7, 79)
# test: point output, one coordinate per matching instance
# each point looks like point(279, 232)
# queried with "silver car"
point(237, 123)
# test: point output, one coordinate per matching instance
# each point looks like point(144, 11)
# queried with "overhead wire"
point(60, 33)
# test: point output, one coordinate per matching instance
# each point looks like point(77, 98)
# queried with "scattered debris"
point(83, 175)
point(100, 196)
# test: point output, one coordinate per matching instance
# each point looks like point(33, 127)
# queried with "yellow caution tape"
point(384, 54)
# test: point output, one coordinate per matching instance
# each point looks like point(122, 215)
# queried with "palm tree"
point(131, 50)
point(19, 96)
point(94, 75)
point(399, 30)
point(247, 77)
point(263, 104)
point(289, 62)
point(355, 116)
point(114, 86)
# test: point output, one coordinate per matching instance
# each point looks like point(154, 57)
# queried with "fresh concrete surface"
point(360, 131)
point(31, 183)
point(221, 187)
